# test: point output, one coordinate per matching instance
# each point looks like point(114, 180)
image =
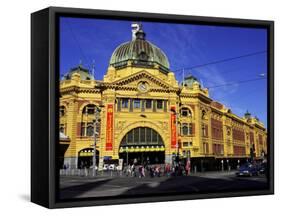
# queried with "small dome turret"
point(83, 72)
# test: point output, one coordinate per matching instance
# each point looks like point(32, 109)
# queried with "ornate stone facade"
point(140, 93)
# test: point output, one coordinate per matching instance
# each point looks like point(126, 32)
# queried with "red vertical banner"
point(173, 127)
point(109, 127)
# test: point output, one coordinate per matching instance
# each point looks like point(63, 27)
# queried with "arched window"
point(185, 112)
point(62, 111)
point(142, 136)
point(89, 109)
point(204, 115)
point(62, 128)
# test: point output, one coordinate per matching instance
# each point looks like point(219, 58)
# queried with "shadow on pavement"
point(159, 186)
point(77, 190)
point(194, 184)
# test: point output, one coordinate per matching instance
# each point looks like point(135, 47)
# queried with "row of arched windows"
point(87, 110)
point(87, 121)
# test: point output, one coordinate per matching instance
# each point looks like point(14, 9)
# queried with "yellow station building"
point(140, 111)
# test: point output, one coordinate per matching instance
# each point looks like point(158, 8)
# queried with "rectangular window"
point(83, 129)
point(148, 104)
point(189, 129)
point(159, 104)
point(125, 103)
point(142, 105)
point(131, 105)
point(165, 106)
point(204, 131)
point(187, 144)
point(118, 105)
point(154, 105)
point(186, 129)
point(137, 103)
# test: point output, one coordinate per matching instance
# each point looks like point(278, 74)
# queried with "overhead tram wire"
point(221, 61)
point(79, 46)
point(235, 83)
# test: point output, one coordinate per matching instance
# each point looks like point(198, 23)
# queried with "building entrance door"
point(142, 145)
point(85, 158)
point(143, 158)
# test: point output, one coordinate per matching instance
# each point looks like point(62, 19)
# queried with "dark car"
point(247, 170)
point(262, 168)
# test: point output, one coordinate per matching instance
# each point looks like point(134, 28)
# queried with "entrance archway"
point(85, 158)
point(142, 145)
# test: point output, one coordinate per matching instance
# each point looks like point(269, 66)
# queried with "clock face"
point(143, 86)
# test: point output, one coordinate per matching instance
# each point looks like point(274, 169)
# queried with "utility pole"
point(96, 122)
point(95, 144)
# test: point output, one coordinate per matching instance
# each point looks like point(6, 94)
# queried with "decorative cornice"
point(140, 75)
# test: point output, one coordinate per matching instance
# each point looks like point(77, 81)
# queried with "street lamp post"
point(95, 145)
point(96, 121)
point(127, 156)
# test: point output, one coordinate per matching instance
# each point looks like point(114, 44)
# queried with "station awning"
point(141, 149)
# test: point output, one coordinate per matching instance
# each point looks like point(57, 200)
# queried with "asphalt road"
point(82, 187)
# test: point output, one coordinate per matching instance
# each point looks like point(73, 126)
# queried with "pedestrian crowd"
point(157, 170)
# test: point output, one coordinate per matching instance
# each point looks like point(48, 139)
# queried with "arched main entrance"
point(85, 158)
point(142, 145)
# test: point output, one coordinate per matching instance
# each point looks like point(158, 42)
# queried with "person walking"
point(151, 171)
point(140, 171)
point(187, 167)
point(143, 171)
point(133, 169)
point(167, 169)
point(128, 171)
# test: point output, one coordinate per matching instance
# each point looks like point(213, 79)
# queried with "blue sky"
point(185, 45)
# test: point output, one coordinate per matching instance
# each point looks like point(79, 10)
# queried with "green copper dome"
point(140, 52)
point(189, 81)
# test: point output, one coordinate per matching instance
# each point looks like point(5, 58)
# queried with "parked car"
point(262, 168)
point(105, 167)
point(247, 170)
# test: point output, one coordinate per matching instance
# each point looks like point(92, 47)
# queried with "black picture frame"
point(45, 96)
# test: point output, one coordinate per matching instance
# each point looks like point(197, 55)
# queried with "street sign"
point(120, 164)
point(100, 168)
